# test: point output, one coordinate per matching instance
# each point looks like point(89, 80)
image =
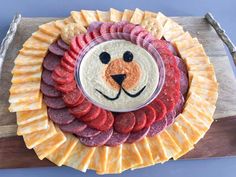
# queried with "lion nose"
point(118, 78)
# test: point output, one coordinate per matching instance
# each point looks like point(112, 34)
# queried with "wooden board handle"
point(222, 34)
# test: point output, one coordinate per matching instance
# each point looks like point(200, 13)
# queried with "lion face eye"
point(105, 57)
point(128, 56)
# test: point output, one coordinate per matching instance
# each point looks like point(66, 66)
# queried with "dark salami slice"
point(55, 103)
point(117, 139)
point(54, 48)
point(47, 77)
point(93, 26)
point(137, 136)
point(73, 97)
point(51, 61)
point(88, 132)
point(68, 59)
point(171, 48)
point(62, 44)
point(157, 127)
point(127, 28)
point(73, 127)
point(74, 46)
point(183, 83)
point(60, 116)
point(92, 114)
point(170, 117)
point(66, 87)
point(168, 101)
point(136, 30)
point(97, 140)
point(181, 64)
point(160, 109)
point(140, 120)
point(109, 122)
point(180, 105)
point(124, 122)
point(147, 40)
point(81, 109)
point(99, 120)
point(49, 91)
point(80, 41)
point(150, 113)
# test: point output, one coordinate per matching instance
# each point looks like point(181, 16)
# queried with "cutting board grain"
point(221, 135)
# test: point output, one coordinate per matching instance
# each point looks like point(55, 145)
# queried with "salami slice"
point(72, 98)
point(62, 44)
point(49, 91)
point(67, 66)
point(159, 108)
point(171, 48)
point(137, 136)
point(105, 30)
point(54, 48)
point(181, 64)
point(66, 87)
point(180, 105)
point(183, 83)
point(61, 72)
point(60, 116)
point(93, 26)
point(99, 120)
point(74, 46)
point(72, 54)
point(55, 103)
point(135, 32)
point(157, 127)
point(73, 127)
point(80, 41)
point(88, 38)
point(140, 120)
point(88, 132)
point(150, 113)
point(124, 122)
point(168, 101)
point(51, 61)
point(109, 122)
point(65, 78)
point(92, 114)
point(117, 138)
point(47, 77)
point(139, 39)
point(97, 140)
point(170, 117)
point(81, 109)
point(95, 34)
point(114, 30)
point(69, 60)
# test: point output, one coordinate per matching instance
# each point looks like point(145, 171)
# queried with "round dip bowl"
point(128, 106)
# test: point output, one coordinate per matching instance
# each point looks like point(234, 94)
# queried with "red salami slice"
point(73, 127)
point(74, 46)
point(51, 61)
point(99, 120)
point(180, 105)
point(49, 91)
point(72, 54)
point(88, 132)
point(68, 59)
point(167, 57)
point(88, 38)
point(47, 77)
point(61, 72)
point(124, 122)
point(63, 78)
point(114, 30)
point(117, 139)
point(66, 87)
point(81, 109)
point(170, 117)
point(140, 120)
point(127, 28)
point(80, 41)
point(175, 94)
point(105, 30)
point(60, 116)
point(137, 136)
point(54, 48)
point(55, 103)
point(93, 26)
point(150, 115)
point(135, 31)
point(159, 44)
point(120, 28)
point(97, 140)
point(62, 44)
point(67, 66)
point(92, 114)
point(159, 108)
point(72, 98)
point(183, 83)
point(139, 39)
point(157, 127)
point(147, 40)
point(109, 122)
point(168, 101)
point(95, 34)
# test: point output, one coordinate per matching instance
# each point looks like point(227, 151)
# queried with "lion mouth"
point(119, 92)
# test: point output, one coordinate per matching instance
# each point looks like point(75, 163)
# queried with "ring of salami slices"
point(111, 143)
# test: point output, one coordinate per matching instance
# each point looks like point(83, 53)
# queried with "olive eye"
point(105, 57)
point(128, 56)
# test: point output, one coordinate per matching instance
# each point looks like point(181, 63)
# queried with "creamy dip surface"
point(91, 75)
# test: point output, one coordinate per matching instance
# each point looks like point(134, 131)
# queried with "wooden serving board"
point(219, 141)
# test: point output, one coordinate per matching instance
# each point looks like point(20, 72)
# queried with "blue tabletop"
point(224, 12)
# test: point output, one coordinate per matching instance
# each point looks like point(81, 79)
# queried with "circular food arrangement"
point(112, 91)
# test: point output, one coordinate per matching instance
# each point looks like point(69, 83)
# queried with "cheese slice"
point(78, 18)
point(89, 16)
point(185, 36)
point(161, 18)
point(28, 60)
point(24, 78)
point(24, 87)
point(33, 43)
point(26, 106)
point(185, 44)
point(26, 69)
point(204, 83)
point(40, 124)
point(170, 146)
point(210, 75)
point(173, 34)
point(157, 149)
point(33, 52)
point(44, 37)
point(197, 60)
point(24, 97)
point(180, 139)
point(48, 146)
point(145, 152)
point(103, 16)
point(60, 155)
point(80, 157)
point(196, 51)
point(60, 24)
point(202, 67)
point(114, 160)
point(98, 161)
point(130, 156)
point(170, 25)
point(50, 29)
point(115, 15)
point(149, 14)
point(127, 14)
point(137, 17)
point(69, 20)
point(35, 138)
